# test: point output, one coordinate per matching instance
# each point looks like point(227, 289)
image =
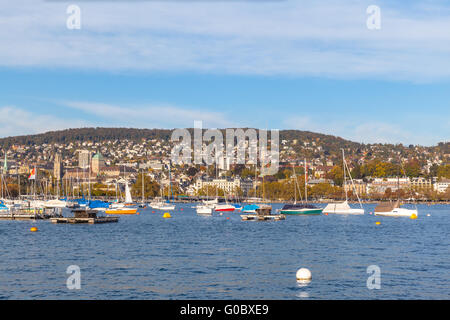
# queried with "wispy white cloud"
point(150, 116)
point(320, 38)
point(370, 131)
point(15, 121)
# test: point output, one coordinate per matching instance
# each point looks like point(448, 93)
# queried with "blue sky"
point(278, 65)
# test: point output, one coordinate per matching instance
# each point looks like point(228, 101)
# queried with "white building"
point(83, 159)
point(227, 185)
point(441, 186)
point(379, 185)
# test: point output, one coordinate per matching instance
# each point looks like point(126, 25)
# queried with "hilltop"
point(294, 146)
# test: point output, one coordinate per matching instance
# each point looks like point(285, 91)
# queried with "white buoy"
point(303, 274)
point(428, 215)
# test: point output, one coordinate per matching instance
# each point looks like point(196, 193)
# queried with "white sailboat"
point(207, 207)
point(55, 203)
point(344, 207)
point(126, 207)
point(167, 205)
point(128, 198)
point(393, 209)
point(204, 210)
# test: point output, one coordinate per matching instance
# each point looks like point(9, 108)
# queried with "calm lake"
point(221, 257)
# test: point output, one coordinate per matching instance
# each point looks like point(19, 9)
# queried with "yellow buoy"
point(413, 216)
point(33, 229)
point(378, 222)
point(166, 215)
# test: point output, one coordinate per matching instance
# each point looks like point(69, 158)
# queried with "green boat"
point(307, 209)
point(300, 208)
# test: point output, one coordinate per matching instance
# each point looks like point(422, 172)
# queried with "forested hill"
point(105, 134)
point(87, 134)
point(299, 141)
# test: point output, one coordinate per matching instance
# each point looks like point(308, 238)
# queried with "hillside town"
point(101, 168)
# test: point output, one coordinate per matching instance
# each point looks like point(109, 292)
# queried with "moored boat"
point(121, 211)
point(224, 207)
point(204, 210)
point(300, 208)
point(303, 208)
point(344, 207)
point(393, 209)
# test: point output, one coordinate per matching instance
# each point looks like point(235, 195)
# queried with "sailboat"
point(166, 206)
point(123, 208)
point(263, 208)
point(393, 209)
point(55, 203)
point(224, 207)
point(343, 207)
point(205, 208)
point(303, 208)
point(143, 204)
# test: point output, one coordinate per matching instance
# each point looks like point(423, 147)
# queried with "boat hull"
point(398, 212)
point(204, 211)
point(224, 208)
point(347, 211)
point(124, 211)
point(302, 211)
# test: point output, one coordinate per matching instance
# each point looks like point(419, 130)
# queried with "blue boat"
point(98, 204)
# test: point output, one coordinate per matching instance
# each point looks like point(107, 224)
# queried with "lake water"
point(221, 257)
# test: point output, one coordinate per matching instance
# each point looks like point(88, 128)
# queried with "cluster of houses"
point(114, 162)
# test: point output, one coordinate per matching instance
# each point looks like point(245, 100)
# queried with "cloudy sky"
point(308, 65)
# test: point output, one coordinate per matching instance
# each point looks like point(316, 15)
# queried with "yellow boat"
point(122, 211)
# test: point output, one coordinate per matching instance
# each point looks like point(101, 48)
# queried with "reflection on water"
point(222, 257)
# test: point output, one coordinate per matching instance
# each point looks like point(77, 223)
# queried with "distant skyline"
point(277, 65)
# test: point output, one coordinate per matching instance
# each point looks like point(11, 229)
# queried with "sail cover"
point(387, 207)
point(339, 207)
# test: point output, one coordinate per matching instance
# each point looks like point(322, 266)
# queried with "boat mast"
point(295, 185)
point(170, 184)
point(89, 173)
point(306, 183)
point(18, 178)
point(256, 178)
point(353, 184)
point(142, 185)
point(345, 178)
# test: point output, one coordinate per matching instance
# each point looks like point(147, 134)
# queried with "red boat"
point(224, 207)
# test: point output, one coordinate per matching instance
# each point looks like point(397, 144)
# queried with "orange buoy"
point(33, 229)
point(153, 211)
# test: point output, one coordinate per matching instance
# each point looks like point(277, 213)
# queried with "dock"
point(259, 217)
point(22, 217)
point(30, 214)
point(85, 220)
point(85, 216)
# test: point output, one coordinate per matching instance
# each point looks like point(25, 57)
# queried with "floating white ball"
point(303, 274)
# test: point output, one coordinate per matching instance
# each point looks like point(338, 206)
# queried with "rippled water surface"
point(221, 257)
